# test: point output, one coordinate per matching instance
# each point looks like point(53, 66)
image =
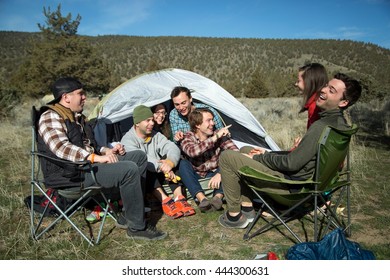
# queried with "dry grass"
point(196, 237)
point(274, 113)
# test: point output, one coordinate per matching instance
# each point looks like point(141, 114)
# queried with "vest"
point(62, 175)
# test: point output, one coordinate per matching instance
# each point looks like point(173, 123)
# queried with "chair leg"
point(106, 212)
point(348, 230)
point(63, 214)
point(330, 216)
point(281, 218)
point(252, 224)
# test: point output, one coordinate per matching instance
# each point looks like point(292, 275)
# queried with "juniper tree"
point(59, 52)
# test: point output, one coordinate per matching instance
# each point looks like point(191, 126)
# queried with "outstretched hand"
point(224, 131)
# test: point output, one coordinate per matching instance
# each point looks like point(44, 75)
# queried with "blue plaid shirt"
point(180, 123)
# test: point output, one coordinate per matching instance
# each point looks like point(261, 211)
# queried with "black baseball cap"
point(64, 85)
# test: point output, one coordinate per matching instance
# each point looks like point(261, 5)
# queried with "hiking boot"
point(95, 215)
point(182, 204)
point(149, 233)
point(216, 203)
point(242, 222)
point(205, 206)
point(250, 215)
point(170, 209)
point(121, 221)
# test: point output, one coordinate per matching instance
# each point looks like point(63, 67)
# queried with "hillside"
point(230, 62)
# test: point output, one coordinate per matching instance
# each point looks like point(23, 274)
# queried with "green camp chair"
point(330, 183)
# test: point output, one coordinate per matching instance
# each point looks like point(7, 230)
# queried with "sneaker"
point(121, 221)
point(250, 215)
point(204, 205)
point(182, 204)
point(216, 203)
point(170, 209)
point(225, 222)
point(149, 233)
point(95, 215)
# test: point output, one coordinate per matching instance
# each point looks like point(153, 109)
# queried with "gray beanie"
point(141, 113)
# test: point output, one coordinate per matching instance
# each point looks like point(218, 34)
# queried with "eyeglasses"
point(160, 113)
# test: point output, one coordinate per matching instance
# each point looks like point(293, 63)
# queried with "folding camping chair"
point(329, 182)
point(78, 195)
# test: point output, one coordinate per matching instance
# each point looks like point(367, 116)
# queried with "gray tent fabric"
point(155, 87)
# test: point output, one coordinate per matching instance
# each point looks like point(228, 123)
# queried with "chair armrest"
point(251, 173)
point(80, 165)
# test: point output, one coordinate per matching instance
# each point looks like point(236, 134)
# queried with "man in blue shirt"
point(178, 118)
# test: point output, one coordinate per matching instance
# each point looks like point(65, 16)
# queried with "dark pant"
point(155, 180)
point(126, 175)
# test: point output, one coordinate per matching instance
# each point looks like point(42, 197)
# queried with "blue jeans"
point(190, 178)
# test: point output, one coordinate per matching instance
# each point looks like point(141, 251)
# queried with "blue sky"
point(357, 20)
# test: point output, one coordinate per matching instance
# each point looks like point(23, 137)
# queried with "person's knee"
point(246, 149)
point(185, 166)
point(224, 157)
point(184, 163)
point(131, 168)
point(137, 156)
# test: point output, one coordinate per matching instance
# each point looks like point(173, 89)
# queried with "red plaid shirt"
point(204, 155)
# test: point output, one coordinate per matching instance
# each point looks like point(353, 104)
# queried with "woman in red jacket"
point(312, 78)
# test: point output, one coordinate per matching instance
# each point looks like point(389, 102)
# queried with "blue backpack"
point(334, 246)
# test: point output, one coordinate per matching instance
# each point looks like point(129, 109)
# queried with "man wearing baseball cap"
point(64, 133)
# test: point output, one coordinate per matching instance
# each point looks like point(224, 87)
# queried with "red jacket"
point(312, 110)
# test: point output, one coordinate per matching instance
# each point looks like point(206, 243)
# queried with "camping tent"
point(113, 114)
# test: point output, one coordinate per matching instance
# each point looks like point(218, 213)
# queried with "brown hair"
point(315, 78)
point(196, 117)
point(179, 89)
point(353, 89)
point(165, 127)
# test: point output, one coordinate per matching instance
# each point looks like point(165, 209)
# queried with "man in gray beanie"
point(163, 159)
point(65, 133)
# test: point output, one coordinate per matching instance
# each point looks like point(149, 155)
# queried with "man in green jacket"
point(298, 164)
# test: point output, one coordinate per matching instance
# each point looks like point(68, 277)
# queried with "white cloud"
point(352, 33)
point(347, 33)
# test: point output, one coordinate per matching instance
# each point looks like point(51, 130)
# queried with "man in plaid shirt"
point(202, 147)
point(64, 133)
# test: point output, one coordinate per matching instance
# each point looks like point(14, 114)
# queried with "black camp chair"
point(77, 196)
point(329, 183)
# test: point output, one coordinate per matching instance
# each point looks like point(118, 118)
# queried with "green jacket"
point(300, 163)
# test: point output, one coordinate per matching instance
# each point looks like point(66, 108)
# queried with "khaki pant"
point(235, 192)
